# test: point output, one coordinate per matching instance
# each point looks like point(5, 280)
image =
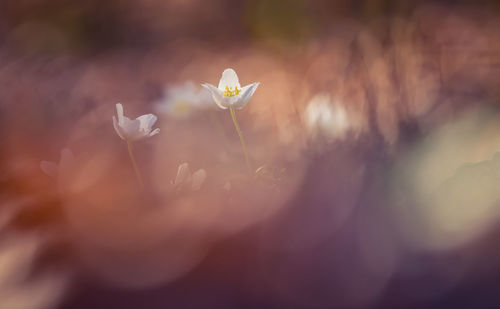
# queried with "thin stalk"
point(243, 145)
point(134, 164)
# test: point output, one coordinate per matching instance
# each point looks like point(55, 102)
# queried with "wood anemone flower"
point(134, 130)
point(230, 93)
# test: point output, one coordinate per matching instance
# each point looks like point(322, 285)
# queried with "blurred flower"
point(185, 179)
point(326, 118)
point(19, 287)
point(55, 170)
point(17, 257)
point(135, 130)
point(181, 101)
point(230, 93)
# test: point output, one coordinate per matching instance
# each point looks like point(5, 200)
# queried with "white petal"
point(229, 79)
point(131, 129)
point(118, 128)
point(183, 174)
point(49, 168)
point(218, 96)
point(146, 122)
point(204, 98)
point(198, 179)
point(154, 132)
point(119, 112)
point(246, 94)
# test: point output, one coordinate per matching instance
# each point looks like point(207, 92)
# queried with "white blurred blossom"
point(59, 170)
point(185, 179)
point(181, 101)
point(230, 93)
point(326, 118)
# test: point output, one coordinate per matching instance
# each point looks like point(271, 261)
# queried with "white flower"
point(134, 130)
point(326, 118)
point(185, 179)
point(181, 101)
point(230, 93)
point(58, 171)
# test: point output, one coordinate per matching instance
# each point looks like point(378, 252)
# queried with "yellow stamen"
point(231, 93)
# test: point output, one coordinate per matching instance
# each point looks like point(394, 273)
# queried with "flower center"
point(182, 107)
point(228, 92)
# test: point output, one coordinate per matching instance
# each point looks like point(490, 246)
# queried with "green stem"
point(243, 146)
point(134, 164)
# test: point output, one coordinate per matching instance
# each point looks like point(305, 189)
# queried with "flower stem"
point(243, 145)
point(134, 164)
